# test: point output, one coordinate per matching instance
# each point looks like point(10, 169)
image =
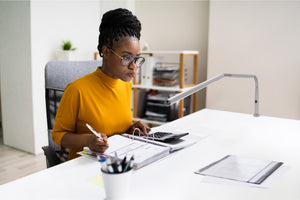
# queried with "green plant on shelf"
point(67, 46)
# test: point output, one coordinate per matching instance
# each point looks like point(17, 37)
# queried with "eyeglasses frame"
point(135, 58)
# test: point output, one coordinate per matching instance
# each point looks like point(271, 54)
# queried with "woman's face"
point(126, 46)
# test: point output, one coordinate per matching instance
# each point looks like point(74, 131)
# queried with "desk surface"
point(173, 176)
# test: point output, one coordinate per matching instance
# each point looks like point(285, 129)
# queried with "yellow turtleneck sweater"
point(96, 99)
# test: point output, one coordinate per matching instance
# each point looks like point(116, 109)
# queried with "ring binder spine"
point(139, 131)
point(265, 173)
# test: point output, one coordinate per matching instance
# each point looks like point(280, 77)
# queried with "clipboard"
point(236, 168)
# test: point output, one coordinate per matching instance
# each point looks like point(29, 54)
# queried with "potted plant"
point(67, 52)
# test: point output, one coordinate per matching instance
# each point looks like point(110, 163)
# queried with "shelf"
point(170, 52)
point(181, 88)
point(160, 88)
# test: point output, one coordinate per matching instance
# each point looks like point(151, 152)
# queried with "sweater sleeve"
point(67, 114)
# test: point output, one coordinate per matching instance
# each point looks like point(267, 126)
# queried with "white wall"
point(177, 25)
point(16, 75)
point(31, 33)
point(261, 38)
point(107, 5)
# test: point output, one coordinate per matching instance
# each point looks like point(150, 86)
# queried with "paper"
point(97, 180)
point(242, 169)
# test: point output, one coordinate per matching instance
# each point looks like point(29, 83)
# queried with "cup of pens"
point(117, 177)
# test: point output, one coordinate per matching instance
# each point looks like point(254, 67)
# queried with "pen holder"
point(117, 186)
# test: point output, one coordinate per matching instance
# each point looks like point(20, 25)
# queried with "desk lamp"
point(204, 84)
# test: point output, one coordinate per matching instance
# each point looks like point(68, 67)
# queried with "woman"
point(102, 99)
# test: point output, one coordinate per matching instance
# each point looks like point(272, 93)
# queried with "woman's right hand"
point(96, 144)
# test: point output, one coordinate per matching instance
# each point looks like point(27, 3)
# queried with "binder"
point(173, 145)
point(144, 151)
point(147, 70)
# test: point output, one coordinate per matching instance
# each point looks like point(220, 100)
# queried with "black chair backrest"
point(58, 74)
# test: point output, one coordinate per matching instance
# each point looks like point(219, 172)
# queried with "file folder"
point(249, 170)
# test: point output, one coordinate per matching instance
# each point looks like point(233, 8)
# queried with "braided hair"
point(116, 24)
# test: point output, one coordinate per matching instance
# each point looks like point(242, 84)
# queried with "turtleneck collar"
point(107, 79)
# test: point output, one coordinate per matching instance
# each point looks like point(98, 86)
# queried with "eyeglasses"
point(128, 59)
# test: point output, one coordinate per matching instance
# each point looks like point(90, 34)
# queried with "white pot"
point(65, 55)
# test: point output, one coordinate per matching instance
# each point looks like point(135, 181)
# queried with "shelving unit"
point(182, 54)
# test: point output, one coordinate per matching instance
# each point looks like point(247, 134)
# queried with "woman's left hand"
point(143, 128)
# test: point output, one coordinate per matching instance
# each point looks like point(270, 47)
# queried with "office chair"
point(58, 74)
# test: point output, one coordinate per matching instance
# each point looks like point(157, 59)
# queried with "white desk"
point(173, 177)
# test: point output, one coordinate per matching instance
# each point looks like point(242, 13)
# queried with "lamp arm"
point(204, 84)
